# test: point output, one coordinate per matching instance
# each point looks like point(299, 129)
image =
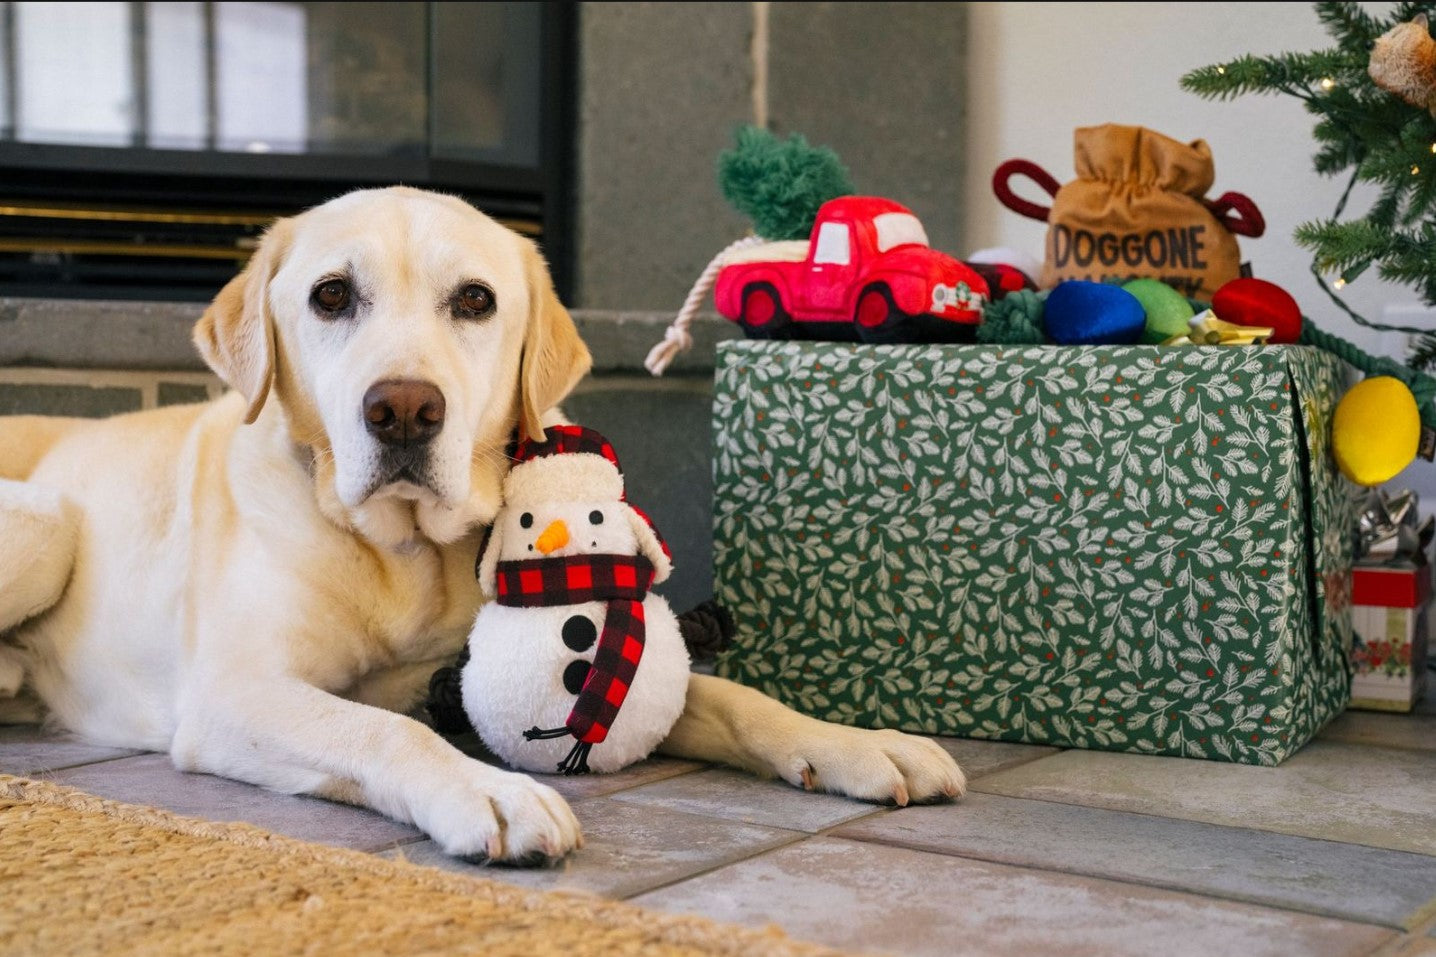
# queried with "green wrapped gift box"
point(1127, 548)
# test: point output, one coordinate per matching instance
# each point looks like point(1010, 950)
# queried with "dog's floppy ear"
point(487, 570)
point(236, 333)
point(554, 357)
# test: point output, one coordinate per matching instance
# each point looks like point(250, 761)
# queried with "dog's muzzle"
point(404, 416)
point(402, 471)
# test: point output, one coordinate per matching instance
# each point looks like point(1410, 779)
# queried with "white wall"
point(1040, 70)
point(1037, 71)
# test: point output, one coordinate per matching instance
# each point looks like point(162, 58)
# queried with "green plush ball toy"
point(1167, 310)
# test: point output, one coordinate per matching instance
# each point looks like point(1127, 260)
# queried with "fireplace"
point(144, 146)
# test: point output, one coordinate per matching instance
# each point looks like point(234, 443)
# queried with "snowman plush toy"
point(574, 665)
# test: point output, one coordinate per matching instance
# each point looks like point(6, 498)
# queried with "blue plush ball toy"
point(1082, 313)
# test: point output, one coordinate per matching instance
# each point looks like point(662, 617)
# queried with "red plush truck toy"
point(866, 273)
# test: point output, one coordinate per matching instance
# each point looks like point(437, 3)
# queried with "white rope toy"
point(676, 337)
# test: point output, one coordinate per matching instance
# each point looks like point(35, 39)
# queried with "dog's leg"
point(401, 688)
point(734, 725)
point(37, 550)
point(12, 672)
point(281, 733)
point(24, 708)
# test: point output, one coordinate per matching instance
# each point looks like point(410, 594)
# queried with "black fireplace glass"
point(184, 127)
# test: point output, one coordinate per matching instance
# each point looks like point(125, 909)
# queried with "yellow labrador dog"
point(262, 586)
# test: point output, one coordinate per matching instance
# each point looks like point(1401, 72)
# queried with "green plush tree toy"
point(1373, 96)
point(780, 184)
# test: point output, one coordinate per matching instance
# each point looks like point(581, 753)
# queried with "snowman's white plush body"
point(514, 681)
point(567, 506)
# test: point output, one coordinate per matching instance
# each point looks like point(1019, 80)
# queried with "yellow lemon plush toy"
point(1375, 430)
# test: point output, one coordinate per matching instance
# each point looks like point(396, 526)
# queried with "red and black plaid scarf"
point(620, 580)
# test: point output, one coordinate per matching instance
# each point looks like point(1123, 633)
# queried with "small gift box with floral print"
point(1389, 618)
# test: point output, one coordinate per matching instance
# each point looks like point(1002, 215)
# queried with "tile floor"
point(1334, 852)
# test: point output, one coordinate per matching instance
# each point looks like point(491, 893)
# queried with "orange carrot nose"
point(552, 538)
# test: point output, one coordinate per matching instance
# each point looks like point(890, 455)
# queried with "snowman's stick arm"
point(537, 734)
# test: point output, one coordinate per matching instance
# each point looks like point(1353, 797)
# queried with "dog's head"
point(401, 336)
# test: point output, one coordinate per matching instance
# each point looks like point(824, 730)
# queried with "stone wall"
point(663, 87)
point(102, 358)
point(95, 359)
point(95, 393)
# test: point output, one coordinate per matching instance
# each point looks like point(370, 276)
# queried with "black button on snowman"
point(569, 563)
point(579, 634)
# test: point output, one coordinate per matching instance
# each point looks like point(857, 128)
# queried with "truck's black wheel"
point(763, 315)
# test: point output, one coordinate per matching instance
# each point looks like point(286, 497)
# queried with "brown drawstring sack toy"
point(1137, 209)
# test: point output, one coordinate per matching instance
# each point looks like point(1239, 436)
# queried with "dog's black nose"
point(404, 412)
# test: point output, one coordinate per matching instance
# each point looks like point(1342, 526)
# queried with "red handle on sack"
point(1235, 211)
point(1238, 214)
point(1038, 175)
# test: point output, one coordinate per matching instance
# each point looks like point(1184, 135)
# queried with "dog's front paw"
point(885, 766)
point(499, 816)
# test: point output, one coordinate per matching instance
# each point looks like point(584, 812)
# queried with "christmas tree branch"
point(1293, 74)
point(1349, 23)
point(1375, 134)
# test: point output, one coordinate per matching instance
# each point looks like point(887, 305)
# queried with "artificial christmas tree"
point(1370, 95)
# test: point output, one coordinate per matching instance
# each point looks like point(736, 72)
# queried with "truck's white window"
point(833, 245)
point(898, 229)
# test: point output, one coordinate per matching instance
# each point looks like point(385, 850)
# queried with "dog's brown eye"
point(331, 296)
point(474, 301)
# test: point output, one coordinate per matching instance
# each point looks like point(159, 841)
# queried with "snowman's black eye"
point(595, 517)
point(526, 520)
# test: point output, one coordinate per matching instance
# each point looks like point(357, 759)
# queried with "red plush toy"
point(1256, 302)
point(866, 273)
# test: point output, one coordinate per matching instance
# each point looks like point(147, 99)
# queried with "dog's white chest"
point(527, 666)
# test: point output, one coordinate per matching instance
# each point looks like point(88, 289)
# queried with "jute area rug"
point(82, 875)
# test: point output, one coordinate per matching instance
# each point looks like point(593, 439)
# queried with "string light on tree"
point(1327, 83)
point(1350, 275)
